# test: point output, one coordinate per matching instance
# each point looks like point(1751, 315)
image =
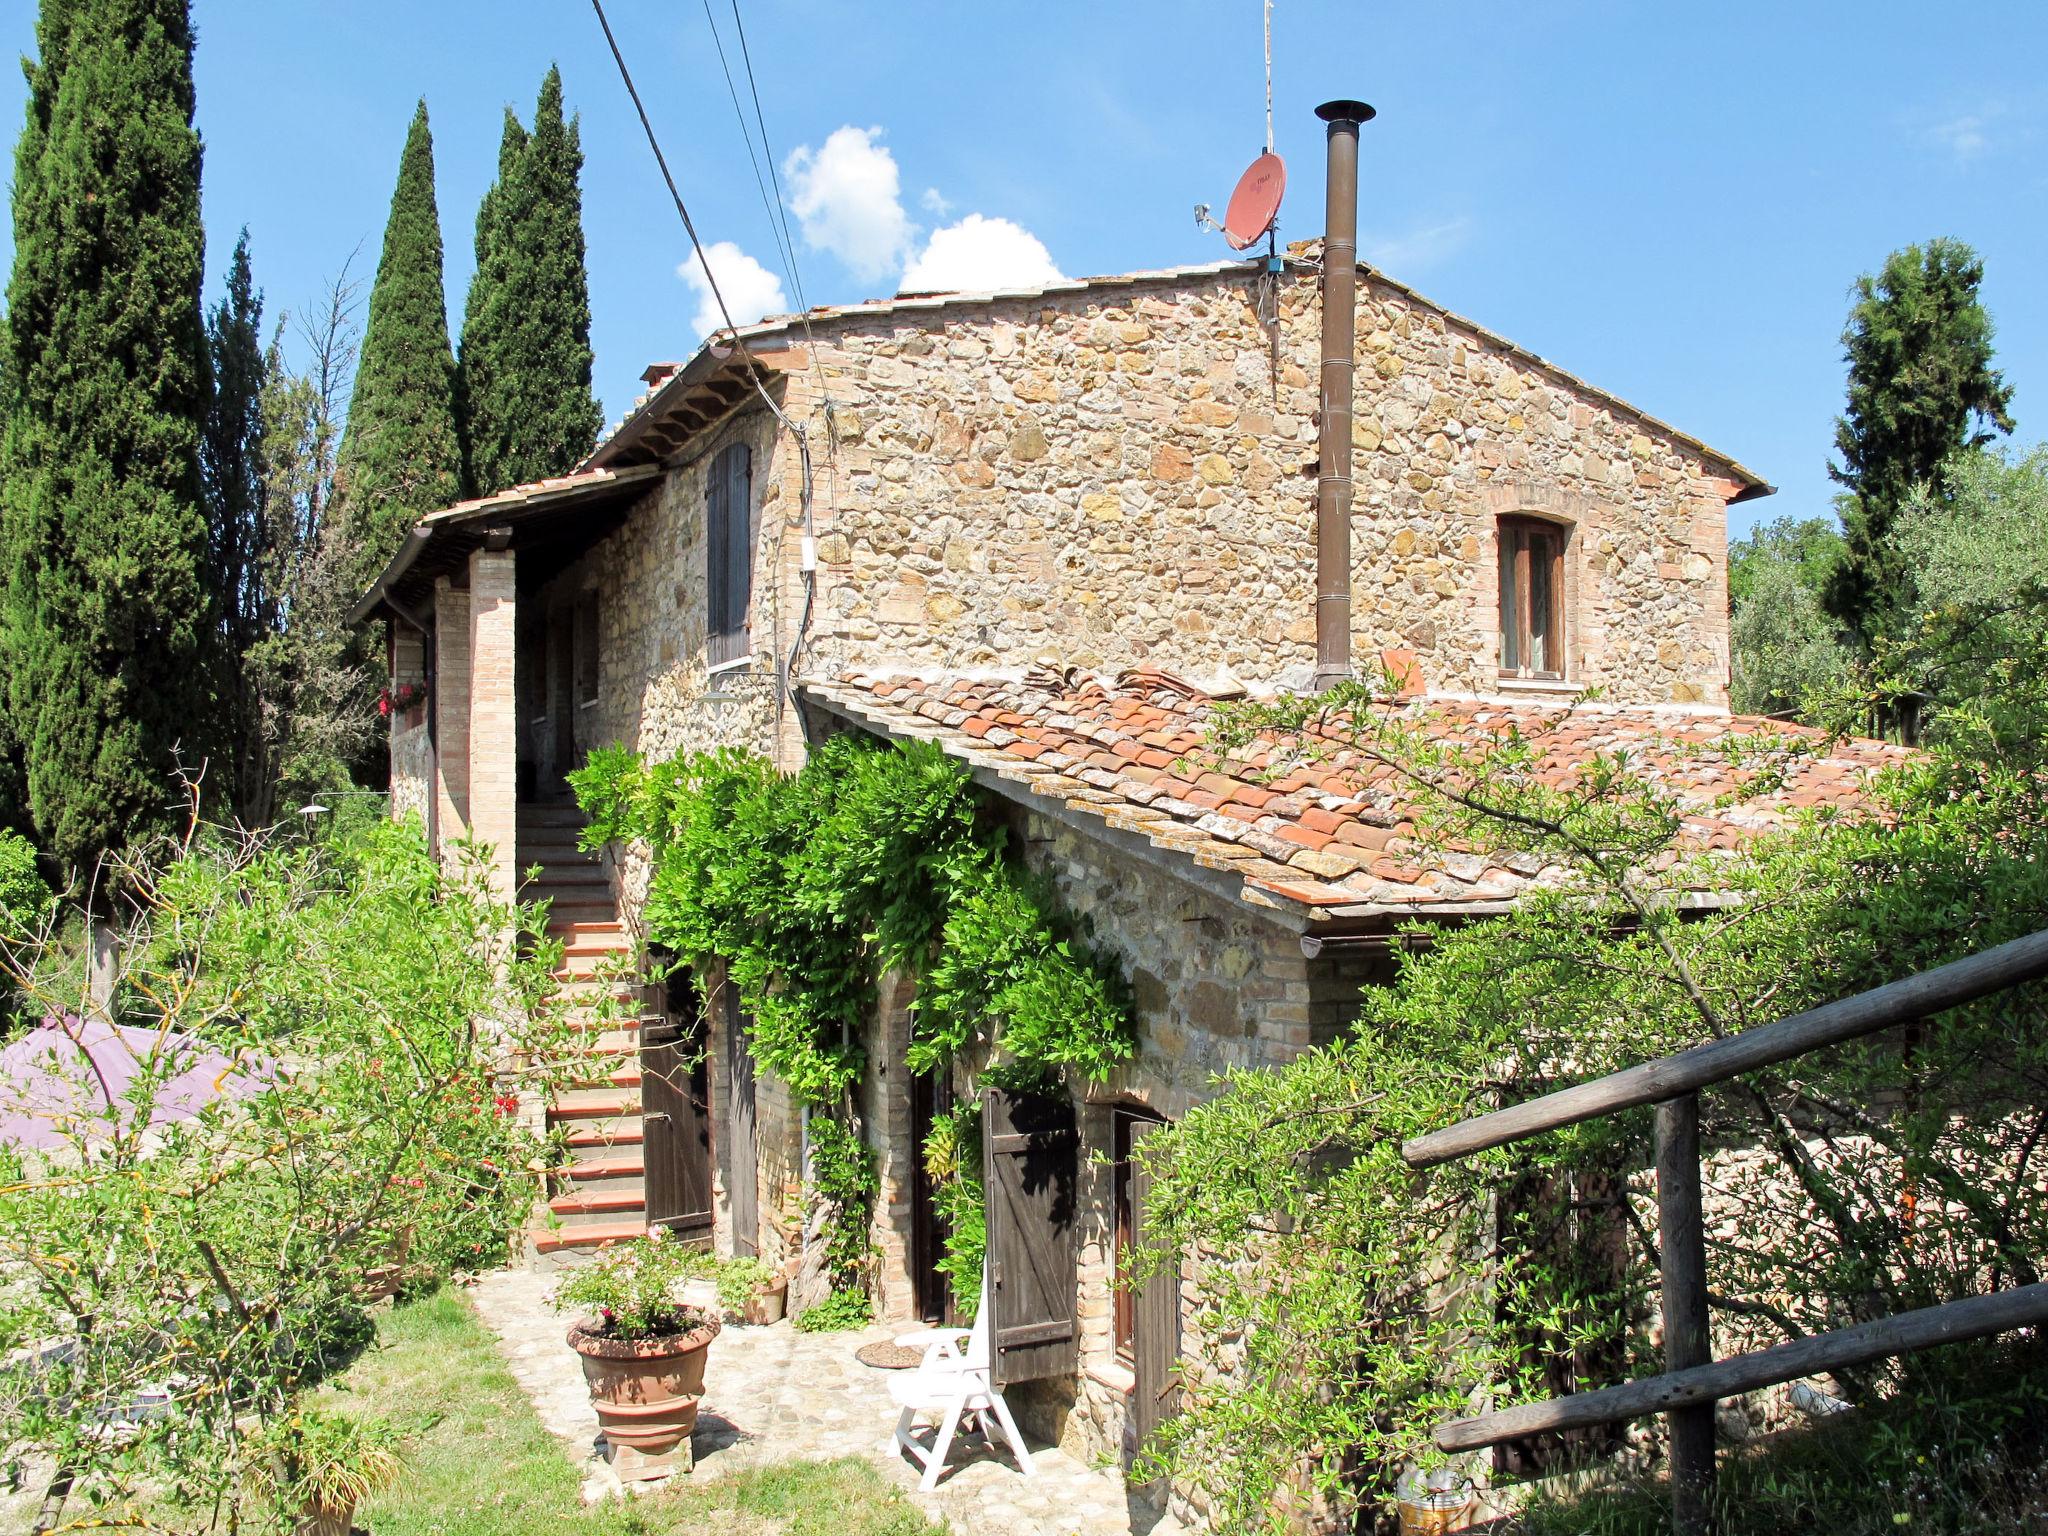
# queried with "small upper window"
point(1531, 598)
point(729, 565)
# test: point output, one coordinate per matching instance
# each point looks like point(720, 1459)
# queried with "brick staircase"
point(600, 1196)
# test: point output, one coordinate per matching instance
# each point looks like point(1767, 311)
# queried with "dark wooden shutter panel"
point(675, 1103)
point(1155, 1341)
point(739, 546)
point(716, 605)
point(1031, 1167)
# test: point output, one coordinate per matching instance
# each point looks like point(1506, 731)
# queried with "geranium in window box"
point(399, 698)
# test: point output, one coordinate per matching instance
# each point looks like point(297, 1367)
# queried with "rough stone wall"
point(412, 767)
point(412, 761)
point(1123, 475)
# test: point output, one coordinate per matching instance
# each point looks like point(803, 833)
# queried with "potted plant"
point(321, 1465)
point(643, 1350)
point(749, 1290)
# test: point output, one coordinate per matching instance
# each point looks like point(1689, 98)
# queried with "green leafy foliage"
point(845, 1176)
point(952, 1159)
point(401, 457)
point(1921, 387)
point(1352, 1303)
point(378, 1000)
point(1785, 649)
point(317, 1462)
point(25, 897)
point(631, 1287)
point(839, 1312)
point(102, 535)
point(740, 1279)
point(872, 858)
point(527, 408)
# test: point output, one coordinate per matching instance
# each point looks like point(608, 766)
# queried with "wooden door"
point(1155, 1309)
point(1031, 1167)
point(743, 1147)
point(675, 1112)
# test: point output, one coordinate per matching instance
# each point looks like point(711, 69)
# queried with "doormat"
point(885, 1356)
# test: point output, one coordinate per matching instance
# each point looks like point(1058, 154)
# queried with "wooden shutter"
point(1031, 1168)
point(728, 556)
point(1155, 1332)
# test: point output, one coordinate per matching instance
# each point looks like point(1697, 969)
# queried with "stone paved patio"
point(774, 1394)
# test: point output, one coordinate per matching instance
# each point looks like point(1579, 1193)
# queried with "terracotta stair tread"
point(621, 1136)
point(597, 1107)
point(586, 1202)
point(590, 1235)
point(623, 1165)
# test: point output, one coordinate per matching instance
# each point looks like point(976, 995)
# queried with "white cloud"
point(980, 253)
point(849, 199)
point(935, 203)
point(1964, 137)
point(1416, 250)
point(750, 289)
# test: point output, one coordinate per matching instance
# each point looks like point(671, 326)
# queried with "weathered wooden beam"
point(1915, 997)
point(1682, 1265)
point(1953, 1322)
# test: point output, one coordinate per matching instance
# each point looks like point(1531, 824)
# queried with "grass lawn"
point(480, 1464)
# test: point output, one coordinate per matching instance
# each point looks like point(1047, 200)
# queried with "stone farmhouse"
point(1046, 528)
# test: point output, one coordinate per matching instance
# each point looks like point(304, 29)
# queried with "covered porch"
point(500, 645)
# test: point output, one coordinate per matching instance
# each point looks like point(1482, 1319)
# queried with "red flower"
point(508, 1103)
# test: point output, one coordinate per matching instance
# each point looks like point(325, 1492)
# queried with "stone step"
point(579, 916)
point(600, 1204)
point(629, 1163)
point(585, 1237)
point(550, 813)
point(593, 1104)
point(565, 880)
point(601, 1135)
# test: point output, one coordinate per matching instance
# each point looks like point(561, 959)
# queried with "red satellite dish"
point(1255, 202)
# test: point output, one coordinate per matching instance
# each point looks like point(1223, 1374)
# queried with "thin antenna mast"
point(1269, 76)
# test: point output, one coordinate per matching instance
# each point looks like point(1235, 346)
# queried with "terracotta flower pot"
point(768, 1303)
point(315, 1521)
point(646, 1393)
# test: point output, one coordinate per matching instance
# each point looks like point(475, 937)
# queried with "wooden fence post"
point(1682, 1247)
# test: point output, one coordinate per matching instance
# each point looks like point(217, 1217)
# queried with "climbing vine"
point(810, 886)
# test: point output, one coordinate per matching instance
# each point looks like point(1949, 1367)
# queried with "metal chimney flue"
point(1340, 328)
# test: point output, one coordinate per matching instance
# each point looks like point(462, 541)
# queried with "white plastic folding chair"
point(955, 1383)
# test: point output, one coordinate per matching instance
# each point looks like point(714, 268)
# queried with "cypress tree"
point(102, 635)
point(400, 456)
point(532, 413)
point(1921, 386)
point(240, 560)
point(484, 319)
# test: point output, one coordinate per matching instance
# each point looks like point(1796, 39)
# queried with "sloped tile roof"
point(1311, 824)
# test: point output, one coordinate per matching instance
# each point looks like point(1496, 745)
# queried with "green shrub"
point(25, 899)
point(739, 1279)
point(837, 1313)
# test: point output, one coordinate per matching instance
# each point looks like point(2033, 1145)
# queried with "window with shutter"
point(728, 574)
point(1531, 598)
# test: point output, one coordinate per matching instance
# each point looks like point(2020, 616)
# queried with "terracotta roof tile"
point(1339, 831)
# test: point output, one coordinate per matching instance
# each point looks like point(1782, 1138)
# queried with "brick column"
point(451, 712)
point(493, 716)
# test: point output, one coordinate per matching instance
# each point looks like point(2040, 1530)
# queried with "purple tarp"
point(69, 1080)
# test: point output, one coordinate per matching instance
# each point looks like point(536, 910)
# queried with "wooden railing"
point(1693, 1382)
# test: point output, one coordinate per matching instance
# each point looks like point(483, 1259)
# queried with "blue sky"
point(1670, 202)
